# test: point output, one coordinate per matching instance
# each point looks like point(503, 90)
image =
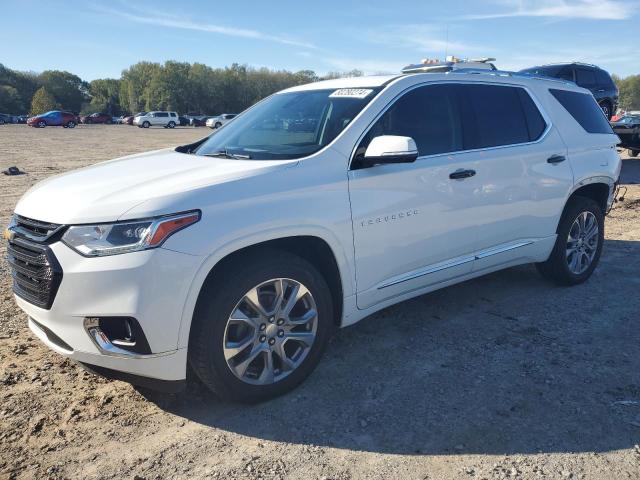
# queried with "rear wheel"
point(171, 124)
point(71, 124)
point(579, 243)
point(633, 153)
point(260, 327)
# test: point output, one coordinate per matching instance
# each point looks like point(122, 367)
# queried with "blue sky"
point(98, 39)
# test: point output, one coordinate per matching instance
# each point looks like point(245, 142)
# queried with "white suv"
point(220, 120)
point(164, 119)
point(241, 253)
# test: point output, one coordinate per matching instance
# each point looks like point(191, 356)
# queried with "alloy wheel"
point(270, 331)
point(582, 242)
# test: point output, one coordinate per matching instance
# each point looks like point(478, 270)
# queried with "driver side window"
point(428, 114)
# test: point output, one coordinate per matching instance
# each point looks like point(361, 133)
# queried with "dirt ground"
point(504, 377)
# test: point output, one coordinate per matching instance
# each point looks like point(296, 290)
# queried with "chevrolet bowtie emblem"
point(8, 234)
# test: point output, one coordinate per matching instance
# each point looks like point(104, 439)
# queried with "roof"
point(347, 82)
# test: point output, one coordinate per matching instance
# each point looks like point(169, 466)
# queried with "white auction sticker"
point(351, 93)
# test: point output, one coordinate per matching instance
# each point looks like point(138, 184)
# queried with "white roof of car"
point(470, 74)
point(347, 82)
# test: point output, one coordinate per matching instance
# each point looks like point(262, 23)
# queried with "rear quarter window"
point(584, 109)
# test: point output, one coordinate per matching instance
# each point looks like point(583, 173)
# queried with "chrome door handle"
point(460, 174)
point(556, 159)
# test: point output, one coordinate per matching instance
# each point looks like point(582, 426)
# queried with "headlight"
point(130, 236)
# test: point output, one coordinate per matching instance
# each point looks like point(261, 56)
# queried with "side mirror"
point(390, 149)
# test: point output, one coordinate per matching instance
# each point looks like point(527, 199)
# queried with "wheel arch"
point(313, 248)
point(598, 189)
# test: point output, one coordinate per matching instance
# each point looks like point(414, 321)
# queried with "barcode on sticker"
point(351, 93)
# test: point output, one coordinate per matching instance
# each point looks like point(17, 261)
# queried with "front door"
point(413, 225)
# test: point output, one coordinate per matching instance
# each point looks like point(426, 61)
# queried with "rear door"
point(523, 173)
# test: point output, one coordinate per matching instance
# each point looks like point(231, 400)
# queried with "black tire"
point(633, 153)
point(606, 109)
point(1, 122)
point(42, 124)
point(218, 298)
point(556, 268)
point(146, 124)
point(71, 124)
point(171, 124)
point(218, 125)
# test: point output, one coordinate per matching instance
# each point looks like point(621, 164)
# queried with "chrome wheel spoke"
point(241, 368)
point(306, 337)
point(308, 316)
point(231, 349)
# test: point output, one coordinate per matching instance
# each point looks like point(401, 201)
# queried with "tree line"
point(177, 86)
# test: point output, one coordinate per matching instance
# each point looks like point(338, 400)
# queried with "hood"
point(106, 191)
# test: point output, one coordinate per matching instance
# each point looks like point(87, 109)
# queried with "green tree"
point(42, 102)
point(10, 100)
point(629, 88)
point(105, 97)
point(69, 90)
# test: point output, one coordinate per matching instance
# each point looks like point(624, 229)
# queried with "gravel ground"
point(503, 377)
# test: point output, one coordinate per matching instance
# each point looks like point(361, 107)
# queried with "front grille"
point(36, 272)
point(34, 229)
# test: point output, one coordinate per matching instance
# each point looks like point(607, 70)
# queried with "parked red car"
point(96, 118)
point(54, 118)
point(129, 120)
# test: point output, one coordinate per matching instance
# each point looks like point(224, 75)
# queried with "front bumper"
point(150, 286)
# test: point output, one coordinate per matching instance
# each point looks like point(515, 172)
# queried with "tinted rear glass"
point(604, 79)
point(499, 117)
point(584, 109)
point(535, 123)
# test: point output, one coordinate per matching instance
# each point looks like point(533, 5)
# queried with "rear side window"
point(604, 79)
point(162, 114)
point(585, 77)
point(584, 109)
point(535, 123)
point(498, 117)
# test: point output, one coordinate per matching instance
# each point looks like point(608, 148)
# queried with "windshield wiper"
point(226, 154)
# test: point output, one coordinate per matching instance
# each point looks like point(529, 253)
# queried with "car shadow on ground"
point(503, 364)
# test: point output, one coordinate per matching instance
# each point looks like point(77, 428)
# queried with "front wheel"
point(260, 326)
point(633, 153)
point(146, 125)
point(218, 125)
point(578, 245)
point(42, 124)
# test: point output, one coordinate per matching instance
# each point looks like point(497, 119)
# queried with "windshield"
point(288, 125)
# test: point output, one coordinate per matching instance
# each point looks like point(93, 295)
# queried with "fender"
point(341, 255)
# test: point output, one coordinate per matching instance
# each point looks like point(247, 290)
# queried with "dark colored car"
point(198, 121)
point(183, 121)
point(4, 118)
point(628, 129)
point(586, 76)
point(97, 118)
point(129, 120)
point(54, 118)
